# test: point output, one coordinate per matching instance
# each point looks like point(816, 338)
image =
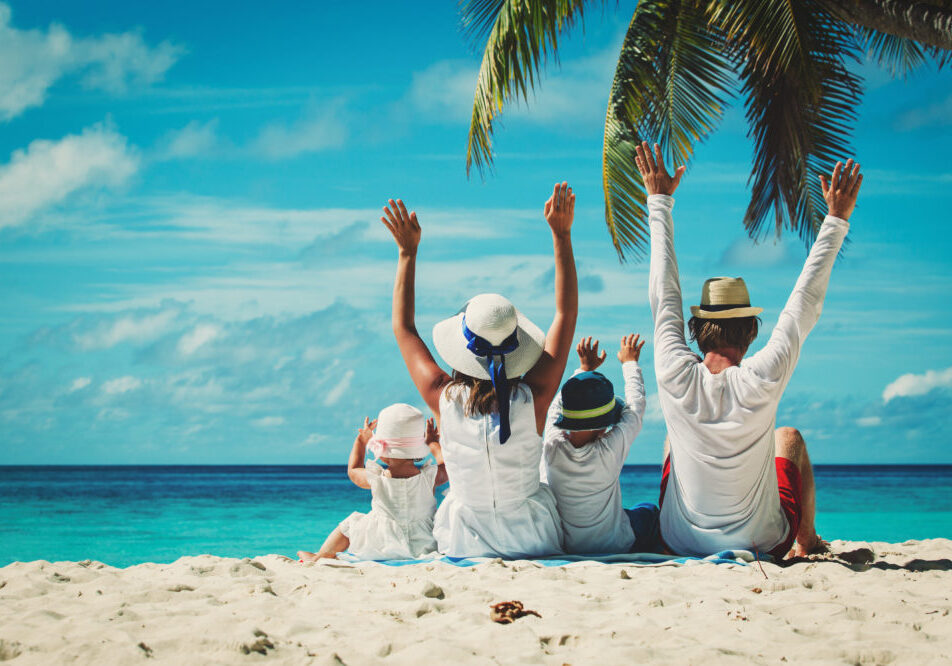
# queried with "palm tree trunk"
point(929, 23)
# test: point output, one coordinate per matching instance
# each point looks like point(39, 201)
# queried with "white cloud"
point(320, 130)
point(869, 421)
point(49, 171)
point(653, 413)
point(747, 253)
point(194, 140)
point(121, 385)
point(32, 61)
point(445, 90)
point(339, 390)
point(198, 336)
point(128, 328)
point(79, 384)
point(912, 385)
point(931, 116)
point(268, 422)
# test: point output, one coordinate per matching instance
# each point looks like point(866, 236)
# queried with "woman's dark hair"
point(712, 334)
point(481, 398)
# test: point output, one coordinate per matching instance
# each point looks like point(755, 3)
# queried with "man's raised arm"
point(664, 288)
point(779, 356)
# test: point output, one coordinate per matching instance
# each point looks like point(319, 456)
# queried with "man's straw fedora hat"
point(724, 298)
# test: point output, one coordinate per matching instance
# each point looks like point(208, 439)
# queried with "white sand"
point(213, 610)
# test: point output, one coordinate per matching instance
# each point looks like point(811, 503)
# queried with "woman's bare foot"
point(810, 547)
point(305, 556)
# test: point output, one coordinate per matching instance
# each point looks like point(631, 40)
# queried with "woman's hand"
point(404, 226)
point(560, 209)
point(630, 349)
point(588, 356)
point(366, 433)
point(653, 173)
point(841, 192)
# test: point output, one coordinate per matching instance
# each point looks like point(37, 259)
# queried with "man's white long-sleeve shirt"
point(722, 490)
point(585, 481)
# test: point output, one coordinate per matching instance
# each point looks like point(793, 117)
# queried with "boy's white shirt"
point(722, 491)
point(585, 480)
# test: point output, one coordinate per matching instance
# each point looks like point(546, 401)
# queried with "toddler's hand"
point(366, 433)
point(630, 348)
point(432, 432)
point(588, 356)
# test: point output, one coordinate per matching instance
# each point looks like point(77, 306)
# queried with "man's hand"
point(841, 192)
point(366, 433)
point(432, 432)
point(560, 209)
point(653, 173)
point(404, 226)
point(630, 348)
point(588, 356)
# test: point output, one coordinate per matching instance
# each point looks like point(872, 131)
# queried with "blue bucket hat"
point(589, 403)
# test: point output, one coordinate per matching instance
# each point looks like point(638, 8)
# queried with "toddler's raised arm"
point(355, 464)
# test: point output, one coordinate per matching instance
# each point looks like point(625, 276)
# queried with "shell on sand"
point(895, 609)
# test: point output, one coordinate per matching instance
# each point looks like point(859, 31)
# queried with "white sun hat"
point(400, 433)
point(724, 298)
point(494, 319)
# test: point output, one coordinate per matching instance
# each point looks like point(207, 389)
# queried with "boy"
point(587, 438)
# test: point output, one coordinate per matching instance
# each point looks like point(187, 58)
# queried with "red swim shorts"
point(791, 499)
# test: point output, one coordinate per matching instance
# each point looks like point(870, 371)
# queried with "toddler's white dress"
point(400, 523)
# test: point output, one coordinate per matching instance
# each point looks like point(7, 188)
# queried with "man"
point(730, 480)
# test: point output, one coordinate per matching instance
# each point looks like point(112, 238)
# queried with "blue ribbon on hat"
point(497, 370)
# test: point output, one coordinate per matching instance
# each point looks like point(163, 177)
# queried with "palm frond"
point(800, 103)
point(899, 55)
point(670, 85)
point(522, 35)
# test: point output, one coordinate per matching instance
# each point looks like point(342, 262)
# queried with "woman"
point(492, 410)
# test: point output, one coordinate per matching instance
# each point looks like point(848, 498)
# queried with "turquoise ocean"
point(124, 515)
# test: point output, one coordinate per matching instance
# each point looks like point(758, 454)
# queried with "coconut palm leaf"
point(800, 104)
point(670, 85)
point(899, 55)
point(522, 35)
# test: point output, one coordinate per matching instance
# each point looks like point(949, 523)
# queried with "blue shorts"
point(645, 519)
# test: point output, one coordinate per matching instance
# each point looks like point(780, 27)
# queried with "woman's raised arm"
point(545, 376)
point(428, 377)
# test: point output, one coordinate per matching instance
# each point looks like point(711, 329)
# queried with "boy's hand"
point(560, 209)
point(841, 192)
point(588, 356)
point(366, 433)
point(653, 173)
point(432, 432)
point(404, 226)
point(630, 348)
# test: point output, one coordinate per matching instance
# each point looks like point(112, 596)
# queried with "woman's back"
point(496, 505)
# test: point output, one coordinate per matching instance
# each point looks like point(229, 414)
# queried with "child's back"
point(585, 478)
point(400, 522)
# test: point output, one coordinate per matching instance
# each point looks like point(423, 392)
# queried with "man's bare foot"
point(811, 547)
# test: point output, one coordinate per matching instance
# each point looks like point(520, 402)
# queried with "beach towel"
point(742, 557)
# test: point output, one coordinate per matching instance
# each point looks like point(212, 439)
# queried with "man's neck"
point(719, 360)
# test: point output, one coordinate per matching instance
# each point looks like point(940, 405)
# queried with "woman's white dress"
point(400, 523)
point(496, 505)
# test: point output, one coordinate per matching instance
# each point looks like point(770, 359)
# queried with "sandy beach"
point(894, 609)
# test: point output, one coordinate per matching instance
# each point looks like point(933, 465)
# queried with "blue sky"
point(193, 271)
